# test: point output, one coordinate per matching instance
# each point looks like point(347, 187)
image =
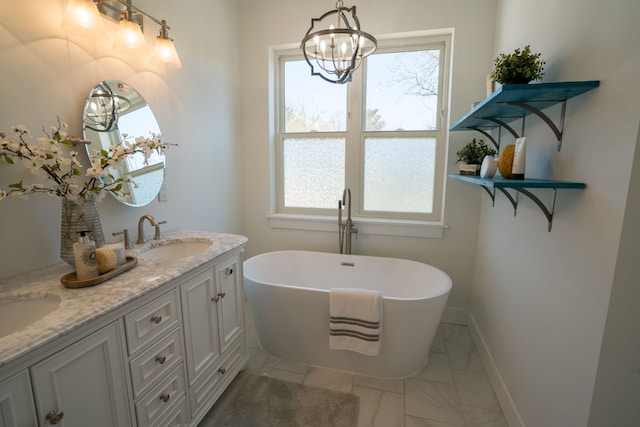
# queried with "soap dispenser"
point(84, 251)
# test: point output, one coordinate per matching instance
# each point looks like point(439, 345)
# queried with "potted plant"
point(471, 156)
point(521, 66)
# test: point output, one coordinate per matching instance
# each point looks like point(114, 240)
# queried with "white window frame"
point(423, 225)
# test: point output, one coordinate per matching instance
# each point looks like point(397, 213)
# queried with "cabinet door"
point(85, 384)
point(231, 300)
point(200, 324)
point(16, 402)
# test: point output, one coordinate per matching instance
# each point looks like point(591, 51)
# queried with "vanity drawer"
point(156, 361)
point(151, 321)
point(162, 400)
point(211, 386)
point(177, 417)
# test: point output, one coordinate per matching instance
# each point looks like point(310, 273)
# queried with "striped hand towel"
point(355, 319)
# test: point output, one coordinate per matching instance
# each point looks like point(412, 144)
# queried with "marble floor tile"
point(474, 389)
point(457, 334)
point(421, 422)
point(437, 346)
point(437, 369)
point(452, 389)
point(329, 379)
point(379, 408)
point(480, 417)
point(464, 357)
point(432, 400)
point(293, 377)
point(286, 365)
point(393, 385)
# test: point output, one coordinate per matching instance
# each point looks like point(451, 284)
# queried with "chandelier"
point(334, 52)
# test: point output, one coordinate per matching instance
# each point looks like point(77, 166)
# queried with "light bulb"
point(129, 38)
point(164, 53)
point(83, 16)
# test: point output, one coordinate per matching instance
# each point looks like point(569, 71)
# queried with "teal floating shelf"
point(516, 101)
point(520, 186)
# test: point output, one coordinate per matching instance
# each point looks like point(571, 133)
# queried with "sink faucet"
point(347, 229)
point(141, 240)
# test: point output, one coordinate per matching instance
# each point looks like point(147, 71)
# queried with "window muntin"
point(412, 138)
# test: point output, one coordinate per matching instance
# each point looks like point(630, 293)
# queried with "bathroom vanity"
point(154, 346)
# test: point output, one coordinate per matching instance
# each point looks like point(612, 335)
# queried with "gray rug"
point(259, 401)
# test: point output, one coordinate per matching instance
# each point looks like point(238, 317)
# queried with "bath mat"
point(259, 401)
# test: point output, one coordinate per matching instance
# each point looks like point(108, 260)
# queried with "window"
point(382, 135)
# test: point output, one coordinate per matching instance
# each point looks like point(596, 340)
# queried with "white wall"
point(539, 299)
point(278, 22)
point(47, 73)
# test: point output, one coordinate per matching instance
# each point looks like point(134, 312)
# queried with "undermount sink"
point(174, 249)
point(19, 311)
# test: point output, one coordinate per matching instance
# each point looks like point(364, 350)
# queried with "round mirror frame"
point(112, 112)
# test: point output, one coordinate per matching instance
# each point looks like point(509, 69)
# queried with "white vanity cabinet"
point(16, 402)
point(156, 359)
point(213, 314)
point(160, 356)
point(85, 384)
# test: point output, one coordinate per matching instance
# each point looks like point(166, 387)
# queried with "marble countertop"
point(83, 305)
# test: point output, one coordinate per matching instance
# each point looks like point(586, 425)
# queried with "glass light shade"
point(83, 15)
point(164, 53)
point(129, 38)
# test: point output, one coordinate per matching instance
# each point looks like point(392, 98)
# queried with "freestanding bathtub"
point(288, 294)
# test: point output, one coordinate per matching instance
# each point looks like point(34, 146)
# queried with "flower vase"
point(76, 218)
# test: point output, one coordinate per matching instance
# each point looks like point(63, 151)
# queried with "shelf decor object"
point(521, 186)
point(512, 102)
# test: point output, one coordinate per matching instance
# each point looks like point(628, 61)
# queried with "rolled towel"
point(355, 320)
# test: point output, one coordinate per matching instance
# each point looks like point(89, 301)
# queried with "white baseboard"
point(507, 404)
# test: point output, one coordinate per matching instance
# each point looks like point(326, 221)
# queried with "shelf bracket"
point(488, 135)
point(556, 130)
point(491, 194)
point(547, 213)
point(502, 124)
point(514, 202)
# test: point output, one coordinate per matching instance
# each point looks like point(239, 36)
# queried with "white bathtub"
point(288, 294)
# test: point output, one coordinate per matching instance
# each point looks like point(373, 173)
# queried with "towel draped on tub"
point(355, 320)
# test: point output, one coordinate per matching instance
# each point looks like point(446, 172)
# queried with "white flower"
point(52, 158)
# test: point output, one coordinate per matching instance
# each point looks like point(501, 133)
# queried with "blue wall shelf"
point(521, 186)
point(516, 101)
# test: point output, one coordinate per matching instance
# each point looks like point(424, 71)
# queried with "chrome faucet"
point(347, 229)
point(141, 239)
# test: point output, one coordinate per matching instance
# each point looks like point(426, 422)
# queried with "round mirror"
point(114, 110)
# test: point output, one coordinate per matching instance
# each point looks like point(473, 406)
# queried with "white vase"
point(76, 218)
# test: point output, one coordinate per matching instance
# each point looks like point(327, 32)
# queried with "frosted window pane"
point(402, 90)
point(310, 103)
point(313, 172)
point(399, 174)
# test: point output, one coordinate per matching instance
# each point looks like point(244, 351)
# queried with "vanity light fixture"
point(83, 15)
point(164, 51)
point(334, 52)
point(129, 37)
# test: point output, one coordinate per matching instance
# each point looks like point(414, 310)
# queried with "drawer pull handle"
point(156, 319)
point(215, 299)
point(222, 370)
point(161, 359)
point(165, 397)
point(54, 417)
point(229, 271)
point(221, 294)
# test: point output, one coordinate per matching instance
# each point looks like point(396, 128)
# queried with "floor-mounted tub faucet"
point(347, 229)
